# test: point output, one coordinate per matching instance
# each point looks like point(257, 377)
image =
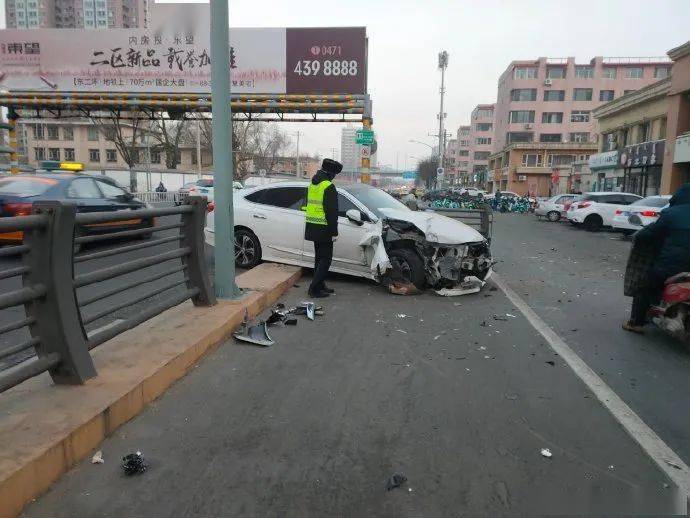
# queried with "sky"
point(482, 37)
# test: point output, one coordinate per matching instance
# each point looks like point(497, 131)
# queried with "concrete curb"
point(46, 429)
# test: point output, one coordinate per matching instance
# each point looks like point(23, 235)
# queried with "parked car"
point(505, 194)
point(201, 187)
point(553, 208)
point(89, 193)
point(639, 213)
point(472, 191)
point(597, 209)
point(376, 234)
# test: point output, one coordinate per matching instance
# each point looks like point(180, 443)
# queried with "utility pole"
point(224, 250)
point(442, 65)
point(298, 165)
point(198, 147)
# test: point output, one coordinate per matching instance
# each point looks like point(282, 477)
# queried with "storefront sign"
point(606, 160)
point(646, 154)
point(682, 150)
point(265, 60)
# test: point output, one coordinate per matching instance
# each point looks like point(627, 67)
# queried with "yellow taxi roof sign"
point(71, 166)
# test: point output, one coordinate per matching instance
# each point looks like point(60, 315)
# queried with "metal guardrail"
point(56, 316)
point(160, 197)
point(481, 219)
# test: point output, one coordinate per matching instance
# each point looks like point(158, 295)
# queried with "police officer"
point(322, 223)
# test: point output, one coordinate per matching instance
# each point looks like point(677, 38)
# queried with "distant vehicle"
point(472, 191)
point(553, 208)
point(504, 194)
point(639, 213)
point(203, 187)
point(89, 193)
point(597, 209)
point(254, 181)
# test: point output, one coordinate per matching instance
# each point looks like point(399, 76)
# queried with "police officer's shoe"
point(328, 290)
point(321, 294)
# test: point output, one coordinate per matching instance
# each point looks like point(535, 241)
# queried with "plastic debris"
point(401, 331)
point(280, 305)
point(275, 318)
point(470, 285)
point(510, 316)
point(290, 321)
point(133, 464)
point(545, 452)
point(97, 458)
point(672, 464)
point(395, 480)
point(257, 334)
point(401, 315)
point(500, 318)
point(403, 288)
point(551, 362)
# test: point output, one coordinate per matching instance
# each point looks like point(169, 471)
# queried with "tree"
point(168, 134)
point(427, 170)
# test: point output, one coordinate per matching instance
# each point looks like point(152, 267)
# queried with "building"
point(480, 141)
point(463, 154)
point(535, 168)
point(632, 139)
point(75, 14)
point(676, 167)
point(450, 161)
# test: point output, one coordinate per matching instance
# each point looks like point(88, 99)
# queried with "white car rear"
point(640, 213)
point(597, 209)
point(553, 209)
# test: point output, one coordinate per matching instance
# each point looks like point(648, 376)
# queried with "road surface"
point(459, 394)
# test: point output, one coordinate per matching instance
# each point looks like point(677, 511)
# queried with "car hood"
point(436, 228)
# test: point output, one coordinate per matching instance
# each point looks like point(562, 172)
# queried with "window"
point(483, 141)
point(582, 94)
point(644, 132)
point(550, 137)
point(285, 197)
point(609, 72)
point(579, 136)
point(556, 160)
point(634, 73)
point(532, 160)
point(483, 113)
point(481, 155)
point(69, 154)
point(68, 133)
point(54, 153)
point(344, 205)
point(525, 73)
point(519, 136)
point(53, 132)
point(555, 72)
point(521, 116)
point(609, 140)
point(38, 131)
point(92, 134)
point(110, 155)
point(94, 155)
point(523, 94)
point(483, 126)
point(552, 117)
point(464, 143)
point(83, 188)
point(579, 116)
point(652, 201)
point(194, 161)
point(463, 152)
point(135, 156)
point(606, 95)
point(40, 153)
point(662, 128)
point(554, 95)
point(661, 72)
point(584, 71)
point(109, 190)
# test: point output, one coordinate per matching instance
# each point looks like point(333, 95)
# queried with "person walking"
point(322, 223)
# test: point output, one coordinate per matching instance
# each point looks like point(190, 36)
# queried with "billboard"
point(262, 60)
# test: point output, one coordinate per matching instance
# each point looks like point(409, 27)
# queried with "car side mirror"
point(128, 196)
point(355, 216)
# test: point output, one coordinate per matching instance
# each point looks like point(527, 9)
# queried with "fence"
point(481, 219)
point(54, 313)
point(160, 197)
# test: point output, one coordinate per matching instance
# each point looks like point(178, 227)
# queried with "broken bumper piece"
point(468, 286)
point(257, 335)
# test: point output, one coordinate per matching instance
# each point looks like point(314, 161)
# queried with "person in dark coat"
point(670, 235)
point(322, 224)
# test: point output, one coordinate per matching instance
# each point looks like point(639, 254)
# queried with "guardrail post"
point(486, 213)
point(193, 224)
point(58, 321)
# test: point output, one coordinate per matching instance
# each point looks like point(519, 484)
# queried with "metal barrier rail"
point(54, 313)
point(160, 197)
point(480, 219)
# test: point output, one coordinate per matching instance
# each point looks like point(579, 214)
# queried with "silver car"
point(553, 209)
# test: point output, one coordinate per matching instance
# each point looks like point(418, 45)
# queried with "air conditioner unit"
point(522, 178)
point(547, 82)
point(528, 126)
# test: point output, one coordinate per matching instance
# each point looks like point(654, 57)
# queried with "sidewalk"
point(315, 425)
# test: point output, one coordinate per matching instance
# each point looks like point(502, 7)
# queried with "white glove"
point(335, 238)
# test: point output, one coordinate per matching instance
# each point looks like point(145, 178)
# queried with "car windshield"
point(375, 199)
point(651, 201)
point(205, 183)
point(27, 186)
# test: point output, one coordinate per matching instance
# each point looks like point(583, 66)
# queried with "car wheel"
point(593, 223)
point(553, 216)
point(247, 249)
point(408, 266)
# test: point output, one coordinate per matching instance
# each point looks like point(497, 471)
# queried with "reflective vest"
point(315, 213)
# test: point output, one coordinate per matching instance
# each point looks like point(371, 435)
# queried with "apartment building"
point(481, 140)
point(350, 151)
point(463, 154)
point(75, 14)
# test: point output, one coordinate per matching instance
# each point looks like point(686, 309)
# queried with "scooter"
point(672, 314)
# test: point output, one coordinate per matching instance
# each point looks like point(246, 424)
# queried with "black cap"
point(331, 166)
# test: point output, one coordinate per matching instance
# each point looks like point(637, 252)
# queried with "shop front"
point(603, 171)
point(642, 165)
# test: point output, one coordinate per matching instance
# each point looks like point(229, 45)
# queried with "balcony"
point(533, 170)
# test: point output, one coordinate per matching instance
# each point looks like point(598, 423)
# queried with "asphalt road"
point(17, 313)
point(433, 387)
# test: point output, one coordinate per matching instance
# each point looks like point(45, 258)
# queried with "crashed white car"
point(379, 237)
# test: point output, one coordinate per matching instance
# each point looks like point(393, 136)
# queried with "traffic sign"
point(409, 175)
point(365, 137)
point(439, 172)
point(365, 152)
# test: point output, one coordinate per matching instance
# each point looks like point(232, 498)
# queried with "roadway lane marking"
point(667, 460)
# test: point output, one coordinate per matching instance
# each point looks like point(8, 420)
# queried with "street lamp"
point(423, 143)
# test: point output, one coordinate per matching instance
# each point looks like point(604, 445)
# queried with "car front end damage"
point(450, 267)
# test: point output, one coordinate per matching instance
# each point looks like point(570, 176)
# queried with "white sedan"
point(639, 214)
point(553, 208)
point(378, 237)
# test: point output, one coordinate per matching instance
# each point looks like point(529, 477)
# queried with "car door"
point(274, 214)
point(84, 193)
point(348, 255)
point(608, 204)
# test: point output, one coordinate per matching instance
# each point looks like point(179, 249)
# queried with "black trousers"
point(323, 256)
point(643, 299)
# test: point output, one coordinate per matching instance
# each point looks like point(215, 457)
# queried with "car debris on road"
point(395, 480)
point(134, 464)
